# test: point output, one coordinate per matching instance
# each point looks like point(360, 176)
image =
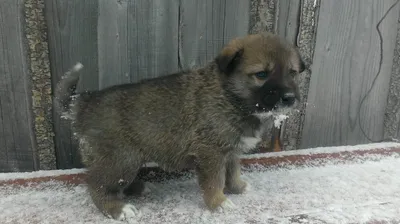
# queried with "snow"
point(322, 150)
point(345, 193)
point(279, 119)
point(311, 151)
point(41, 173)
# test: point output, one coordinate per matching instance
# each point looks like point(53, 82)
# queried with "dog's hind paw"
point(128, 211)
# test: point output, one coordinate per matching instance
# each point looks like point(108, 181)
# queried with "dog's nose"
point(288, 99)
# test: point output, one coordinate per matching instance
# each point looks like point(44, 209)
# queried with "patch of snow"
point(50, 173)
point(264, 115)
point(121, 181)
point(279, 119)
point(78, 66)
point(347, 193)
point(319, 150)
point(151, 164)
point(41, 173)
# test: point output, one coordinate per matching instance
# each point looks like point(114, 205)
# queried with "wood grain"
point(288, 19)
point(72, 33)
point(237, 19)
point(201, 31)
point(152, 38)
point(345, 64)
point(113, 43)
point(206, 26)
point(17, 140)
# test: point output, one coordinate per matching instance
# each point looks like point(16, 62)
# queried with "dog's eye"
point(261, 75)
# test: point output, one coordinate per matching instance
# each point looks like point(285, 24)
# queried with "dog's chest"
point(249, 142)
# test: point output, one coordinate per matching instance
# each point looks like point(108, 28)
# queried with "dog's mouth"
point(276, 104)
point(278, 111)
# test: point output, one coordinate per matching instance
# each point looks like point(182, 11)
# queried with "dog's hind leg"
point(107, 179)
point(136, 188)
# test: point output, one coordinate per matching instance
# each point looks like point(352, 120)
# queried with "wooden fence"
point(121, 41)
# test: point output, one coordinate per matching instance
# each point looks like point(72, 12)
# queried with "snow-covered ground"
point(354, 192)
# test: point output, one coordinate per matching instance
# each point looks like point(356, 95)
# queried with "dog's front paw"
point(219, 202)
point(238, 187)
point(227, 204)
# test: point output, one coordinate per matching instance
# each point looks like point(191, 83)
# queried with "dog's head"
point(259, 70)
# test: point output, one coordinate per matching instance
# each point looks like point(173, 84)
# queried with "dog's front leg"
point(211, 174)
point(234, 184)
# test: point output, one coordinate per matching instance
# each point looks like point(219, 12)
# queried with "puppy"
point(203, 118)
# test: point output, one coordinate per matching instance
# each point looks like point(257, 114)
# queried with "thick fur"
point(201, 118)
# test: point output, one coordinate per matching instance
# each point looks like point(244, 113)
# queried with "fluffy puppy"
point(204, 118)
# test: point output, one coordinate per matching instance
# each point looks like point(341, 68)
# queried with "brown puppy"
point(204, 117)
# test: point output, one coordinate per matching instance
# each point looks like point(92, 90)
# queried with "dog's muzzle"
point(275, 99)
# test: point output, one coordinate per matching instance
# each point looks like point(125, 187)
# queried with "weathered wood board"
point(17, 139)
point(392, 114)
point(72, 33)
point(205, 26)
point(345, 63)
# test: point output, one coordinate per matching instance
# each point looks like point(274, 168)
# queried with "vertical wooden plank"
point(152, 38)
point(237, 19)
point(202, 31)
point(39, 67)
point(214, 33)
point(17, 140)
point(288, 19)
point(193, 37)
point(392, 114)
point(113, 43)
point(72, 32)
point(293, 126)
point(205, 27)
point(345, 64)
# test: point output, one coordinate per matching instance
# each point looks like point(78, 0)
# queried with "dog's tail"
point(65, 88)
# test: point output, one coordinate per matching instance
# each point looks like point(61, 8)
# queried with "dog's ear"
point(229, 57)
point(296, 62)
